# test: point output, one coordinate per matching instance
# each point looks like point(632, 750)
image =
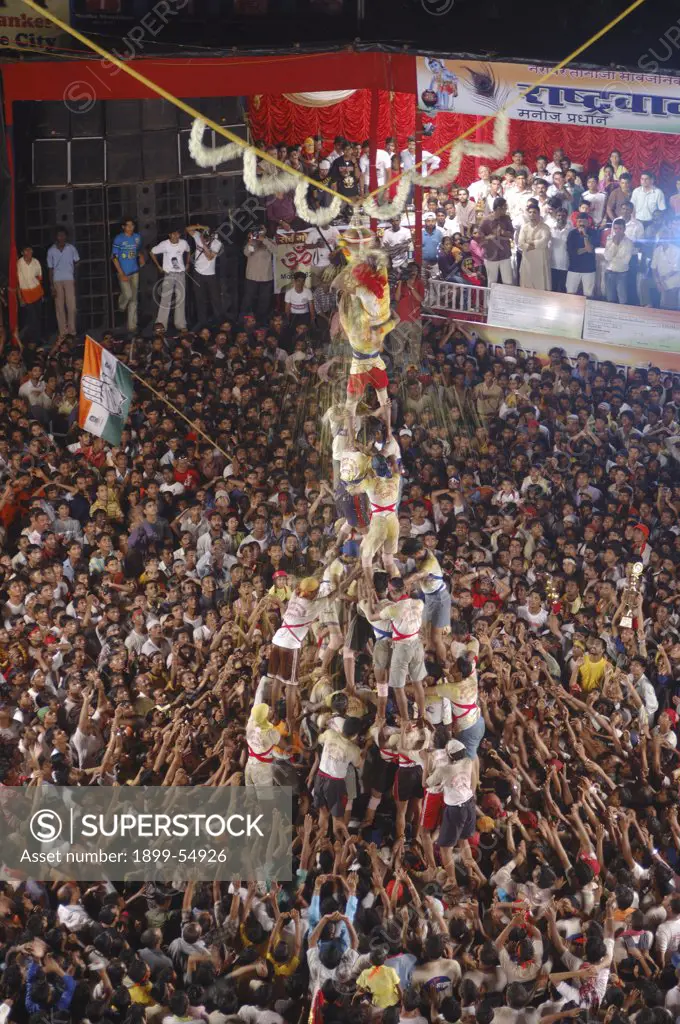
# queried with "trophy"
point(634, 571)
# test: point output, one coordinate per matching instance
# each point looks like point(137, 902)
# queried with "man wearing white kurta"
point(534, 243)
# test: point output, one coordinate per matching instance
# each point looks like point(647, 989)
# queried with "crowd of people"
point(449, 659)
point(559, 228)
point(555, 227)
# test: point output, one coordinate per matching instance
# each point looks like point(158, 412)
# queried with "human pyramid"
point(389, 618)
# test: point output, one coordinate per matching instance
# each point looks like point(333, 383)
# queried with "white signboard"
point(543, 312)
point(625, 100)
point(632, 326)
point(22, 28)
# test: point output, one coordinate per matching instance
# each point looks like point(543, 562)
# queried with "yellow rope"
point(221, 130)
point(211, 441)
point(544, 78)
point(164, 94)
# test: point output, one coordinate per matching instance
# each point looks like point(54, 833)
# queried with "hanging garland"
point(208, 156)
point(267, 184)
point(488, 150)
point(396, 207)
point(319, 218)
point(282, 181)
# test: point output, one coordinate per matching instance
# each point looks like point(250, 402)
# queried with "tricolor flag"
point(105, 393)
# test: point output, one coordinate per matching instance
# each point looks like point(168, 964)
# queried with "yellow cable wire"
point(221, 130)
point(544, 78)
point(164, 94)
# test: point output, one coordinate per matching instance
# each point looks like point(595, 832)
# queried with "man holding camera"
point(257, 293)
point(206, 287)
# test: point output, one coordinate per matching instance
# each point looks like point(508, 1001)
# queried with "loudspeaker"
point(121, 203)
point(159, 155)
point(124, 158)
point(146, 213)
point(88, 161)
point(157, 115)
point(50, 162)
point(63, 210)
point(221, 109)
point(187, 165)
point(36, 219)
point(123, 117)
point(50, 119)
point(87, 124)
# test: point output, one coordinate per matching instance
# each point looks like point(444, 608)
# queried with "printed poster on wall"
point(21, 28)
point(628, 100)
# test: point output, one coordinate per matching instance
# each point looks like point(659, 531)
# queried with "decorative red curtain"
point(275, 119)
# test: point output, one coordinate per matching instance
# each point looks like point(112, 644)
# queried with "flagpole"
point(178, 412)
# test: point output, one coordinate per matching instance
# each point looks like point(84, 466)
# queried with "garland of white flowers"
point(282, 181)
point(489, 150)
point(394, 209)
point(205, 156)
point(267, 184)
point(319, 218)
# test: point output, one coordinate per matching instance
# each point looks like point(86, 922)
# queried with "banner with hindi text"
point(626, 100)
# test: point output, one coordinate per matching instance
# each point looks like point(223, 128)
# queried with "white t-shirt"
point(298, 301)
point(337, 754)
point(73, 917)
point(479, 189)
point(535, 619)
point(172, 255)
point(397, 243)
point(318, 974)
point(597, 201)
point(203, 265)
point(86, 747)
point(297, 618)
point(457, 780)
point(559, 258)
point(439, 975)
point(365, 168)
point(593, 987)
point(383, 163)
point(29, 274)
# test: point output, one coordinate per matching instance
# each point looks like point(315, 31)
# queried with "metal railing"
point(465, 300)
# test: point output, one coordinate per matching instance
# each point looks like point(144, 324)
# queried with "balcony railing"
point(469, 302)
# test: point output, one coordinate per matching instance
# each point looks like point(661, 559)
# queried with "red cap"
point(278, 574)
point(532, 423)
